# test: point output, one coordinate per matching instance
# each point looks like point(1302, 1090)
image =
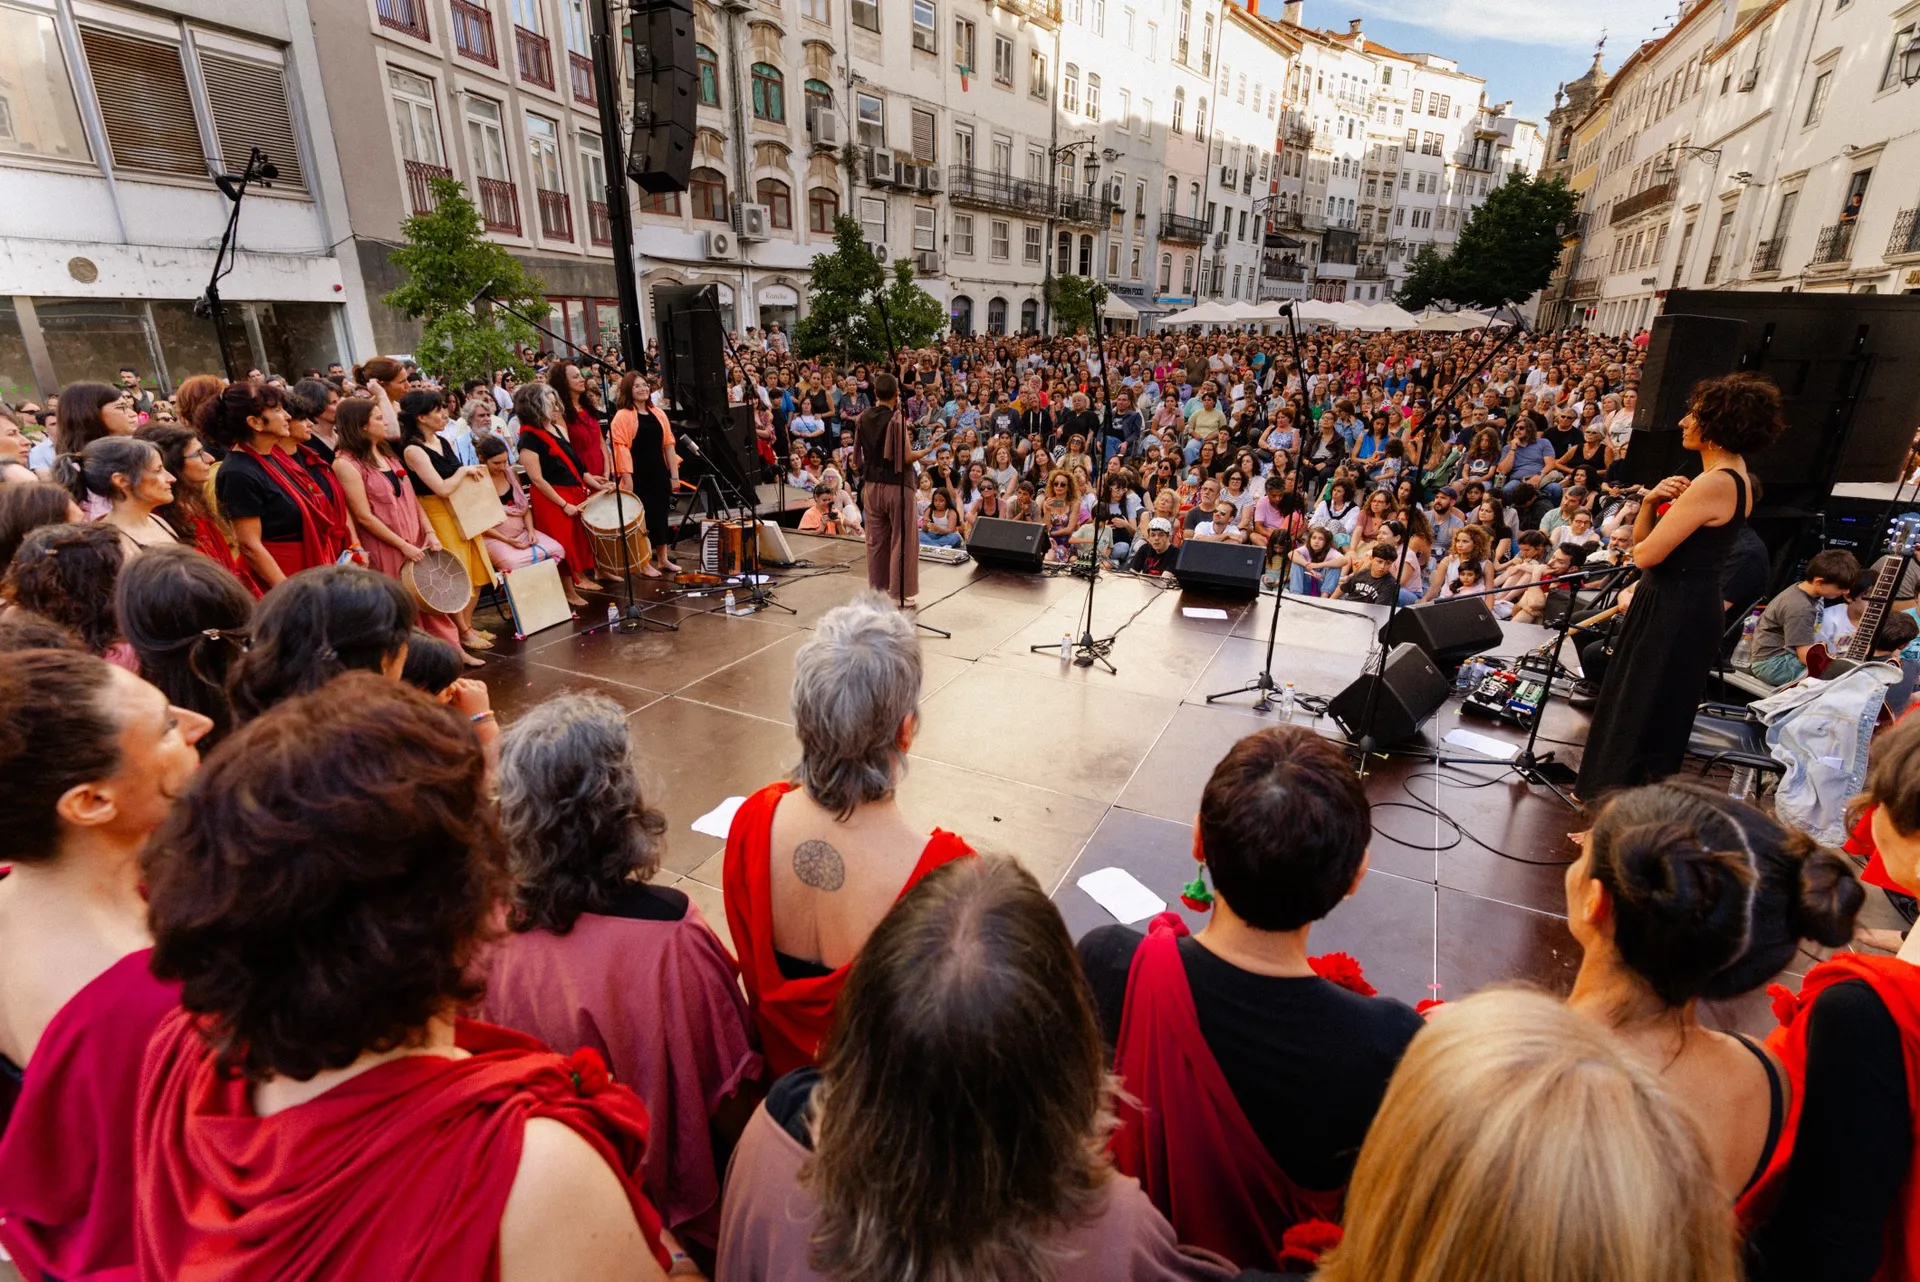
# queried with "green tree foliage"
point(841, 320)
point(447, 261)
point(1070, 299)
point(1505, 253)
point(915, 316)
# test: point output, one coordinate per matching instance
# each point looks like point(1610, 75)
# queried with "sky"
point(1522, 48)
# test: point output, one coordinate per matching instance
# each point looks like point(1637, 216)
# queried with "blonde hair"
point(1518, 1143)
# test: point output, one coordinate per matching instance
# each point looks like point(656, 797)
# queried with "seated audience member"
point(67, 573)
point(186, 619)
point(1316, 565)
point(1519, 1143)
point(1786, 628)
point(1219, 1036)
point(91, 757)
point(1371, 580)
point(316, 625)
point(813, 864)
point(1223, 526)
point(954, 1127)
point(599, 956)
point(316, 1107)
point(1682, 895)
point(820, 516)
point(1841, 1199)
point(432, 666)
point(1156, 553)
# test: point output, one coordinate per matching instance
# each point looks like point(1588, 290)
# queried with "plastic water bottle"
point(730, 603)
point(1066, 647)
point(1743, 651)
point(613, 615)
point(1287, 702)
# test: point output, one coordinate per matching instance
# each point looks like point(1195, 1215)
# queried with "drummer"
point(514, 544)
point(560, 485)
point(436, 472)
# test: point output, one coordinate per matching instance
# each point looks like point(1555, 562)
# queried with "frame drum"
point(438, 582)
point(601, 515)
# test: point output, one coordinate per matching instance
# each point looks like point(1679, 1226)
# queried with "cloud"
point(1557, 24)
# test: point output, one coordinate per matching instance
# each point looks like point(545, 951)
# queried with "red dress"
point(791, 1014)
point(583, 433)
point(1182, 1133)
point(568, 480)
point(399, 1173)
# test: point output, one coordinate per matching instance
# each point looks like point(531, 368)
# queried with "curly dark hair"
point(222, 421)
point(318, 624)
point(325, 884)
point(67, 573)
point(1738, 412)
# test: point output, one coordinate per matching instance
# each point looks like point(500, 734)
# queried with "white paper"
point(1202, 612)
point(1122, 894)
point(1481, 744)
point(718, 821)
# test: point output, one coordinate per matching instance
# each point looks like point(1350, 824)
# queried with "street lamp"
point(1665, 167)
point(1053, 209)
point(1910, 61)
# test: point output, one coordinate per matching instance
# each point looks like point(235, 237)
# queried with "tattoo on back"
point(819, 865)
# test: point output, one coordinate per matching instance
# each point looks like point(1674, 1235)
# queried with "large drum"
point(438, 582)
point(601, 515)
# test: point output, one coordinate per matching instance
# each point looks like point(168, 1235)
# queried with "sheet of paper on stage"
point(1122, 894)
point(717, 821)
point(1481, 744)
point(1202, 612)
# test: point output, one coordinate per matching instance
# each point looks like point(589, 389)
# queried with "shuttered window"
point(923, 126)
point(142, 88)
point(250, 109)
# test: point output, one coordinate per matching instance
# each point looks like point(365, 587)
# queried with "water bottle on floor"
point(613, 614)
point(730, 603)
point(1287, 702)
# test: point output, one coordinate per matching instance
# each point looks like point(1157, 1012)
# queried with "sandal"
point(472, 660)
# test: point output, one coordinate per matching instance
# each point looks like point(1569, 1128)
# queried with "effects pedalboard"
point(1511, 694)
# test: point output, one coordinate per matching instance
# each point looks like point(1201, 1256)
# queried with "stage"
point(1071, 769)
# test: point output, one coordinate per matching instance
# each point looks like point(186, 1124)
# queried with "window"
point(769, 93)
point(823, 206)
point(925, 234)
point(1140, 198)
point(1133, 264)
point(662, 202)
point(1086, 255)
point(1206, 45)
point(593, 166)
point(1817, 101)
point(1186, 274)
point(924, 36)
point(1093, 96)
point(414, 117)
point(486, 140)
point(866, 13)
point(708, 64)
point(963, 235)
point(1153, 42)
point(1146, 119)
point(1413, 139)
point(1113, 260)
point(39, 114)
point(1070, 88)
point(965, 52)
point(1037, 86)
point(819, 97)
point(871, 119)
point(778, 198)
point(708, 187)
point(999, 242)
point(1166, 273)
point(963, 146)
point(148, 109)
point(543, 154)
point(1031, 246)
point(1240, 92)
point(1126, 111)
point(818, 10)
point(1200, 120)
point(925, 150)
point(1030, 315)
point(1419, 96)
point(1003, 61)
point(1127, 25)
point(1386, 75)
point(1036, 165)
point(1182, 32)
point(873, 220)
point(1097, 16)
point(1440, 104)
point(1003, 155)
point(1179, 109)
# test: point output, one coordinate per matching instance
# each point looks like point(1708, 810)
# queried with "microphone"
point(485, 291)
point(1286, 309)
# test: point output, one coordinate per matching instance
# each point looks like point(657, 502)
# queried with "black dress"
point(1659, 671)
point(652, 483)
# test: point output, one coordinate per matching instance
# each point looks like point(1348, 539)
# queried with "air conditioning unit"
point(750, 221)
point(1116, 192)
point(720, 246)
point(1748, 79)
point(1219, 240)
point(1229, 176)
point(825, 127)
point(878, 250)
point(906, 173)
point(881, 171)
point(930, 178)
point(927, 262)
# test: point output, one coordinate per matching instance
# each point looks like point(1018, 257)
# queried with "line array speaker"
point(1219, 569)
point(660, 155)
point(1008, 545)
point(1411, 690)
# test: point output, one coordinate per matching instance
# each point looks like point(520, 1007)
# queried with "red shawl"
point(1897, 984)
point(1182, 1133)
point(66, 1161)
point(399, 1173)
point(791, 1014)
point(583, 434)
point(321, 526)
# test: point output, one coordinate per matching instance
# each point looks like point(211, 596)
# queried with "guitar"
point(1859, 649)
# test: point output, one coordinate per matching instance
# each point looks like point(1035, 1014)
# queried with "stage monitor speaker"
point(693, 348)
point(1411, 690)
point(1219, 569)
point(1008, 545)
point(660, 153)
point(1448, 631)
point(1682, 351)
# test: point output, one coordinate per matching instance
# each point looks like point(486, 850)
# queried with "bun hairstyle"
point(380, 369)
point(92, 470)
point(316, 625)
point(222, 420)
point(1711, 897)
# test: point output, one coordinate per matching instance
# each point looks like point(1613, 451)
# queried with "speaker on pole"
point(660, 157)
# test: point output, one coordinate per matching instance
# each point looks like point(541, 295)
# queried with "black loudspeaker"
point(660, 154)
point(1219, 569)
point(1681, 351)
point(1447, 631)
point(1411, 690)
point(1008, 545)
point(693, 348)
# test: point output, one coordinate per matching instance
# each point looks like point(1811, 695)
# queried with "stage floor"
point(1070, 769)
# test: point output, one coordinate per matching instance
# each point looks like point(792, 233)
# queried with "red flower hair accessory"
point(590, 1075)
point(1302, 1245)
point(1340, 969)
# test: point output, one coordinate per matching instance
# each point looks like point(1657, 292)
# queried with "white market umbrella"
point(1391, 316)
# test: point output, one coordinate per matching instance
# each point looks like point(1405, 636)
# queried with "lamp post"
point(1053, 210)
point(1910, 62)
point(1667, 166)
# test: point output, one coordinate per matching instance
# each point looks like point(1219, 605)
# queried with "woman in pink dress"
point(514, 544)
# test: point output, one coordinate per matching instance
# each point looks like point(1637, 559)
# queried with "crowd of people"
point(309, 968)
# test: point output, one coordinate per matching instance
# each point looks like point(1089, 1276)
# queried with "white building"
point(1253, 64)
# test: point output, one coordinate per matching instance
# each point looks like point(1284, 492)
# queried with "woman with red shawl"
point(578, 410)
point(90, 760)
point(281, 518)
point(317, 1108)
point(812, 865)
point(560, 482)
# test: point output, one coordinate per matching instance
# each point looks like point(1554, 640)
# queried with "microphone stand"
point(260, 170)
point(758, 596)
point(1089, 650)
point(907, 506)
point(1437, 409)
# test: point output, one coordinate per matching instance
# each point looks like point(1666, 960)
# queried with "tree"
point(1505, 253)
point(914, 316)
point(841, 319)
point(1428, 280)
point(1070, 298)
point(447, 262)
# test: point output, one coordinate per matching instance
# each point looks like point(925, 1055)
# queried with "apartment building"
point(1443, 168)
point(1328, 101)
point(1252, 67)
point(1575, 150)
point(114, 122)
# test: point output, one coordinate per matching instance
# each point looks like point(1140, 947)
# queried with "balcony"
point(1294, 220)
point(580, 71)
point(1835, 244)
point(406, 16)
point(419, 194)
point(1574, 228)
point(1641, 201)
point(599, 226)
point(473, 33)
point(1906, 234)
point(1042, 11)
point(1766, 255)
point(1085, 209)
point(1371, 271)
point(986, 189)
point(556, 214)
point(1190, 231)
point(1296, 271)
point(535, 57)
point(499, 204)
point(1585, 287)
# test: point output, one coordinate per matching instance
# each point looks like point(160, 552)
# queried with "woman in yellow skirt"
point(436, 470)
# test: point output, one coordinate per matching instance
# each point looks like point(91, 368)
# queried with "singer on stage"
point(884, 455)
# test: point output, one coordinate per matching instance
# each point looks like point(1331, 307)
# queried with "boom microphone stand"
point(260, 170)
